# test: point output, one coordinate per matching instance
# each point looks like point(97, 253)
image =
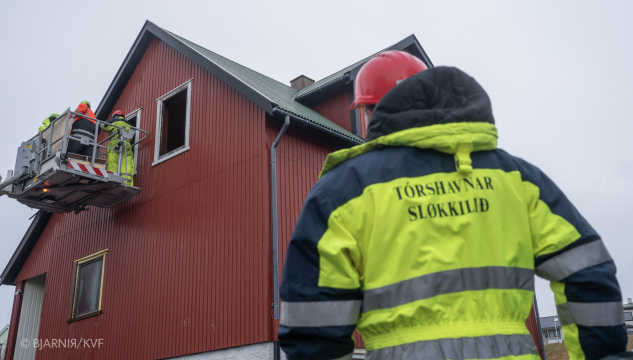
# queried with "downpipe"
point(275, 226)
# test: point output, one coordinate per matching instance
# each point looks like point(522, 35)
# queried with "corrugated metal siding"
point(300, 157)
point(188, 267)
point(336, 108)
point(358, 339)
point(533, 327)
point(28, 329)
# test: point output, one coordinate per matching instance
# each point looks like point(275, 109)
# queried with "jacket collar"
point(459, 139)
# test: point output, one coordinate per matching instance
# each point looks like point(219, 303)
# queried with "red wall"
point(533, 327)
point(188, 268)
point(336, 108)
point(300, 157)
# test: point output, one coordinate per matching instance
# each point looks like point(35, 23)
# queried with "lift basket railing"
point(55, 139)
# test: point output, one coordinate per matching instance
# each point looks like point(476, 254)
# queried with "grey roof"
point(277, 92)
point(547, 322)
point(408, 42)
point(337, 75)
point(267, 93)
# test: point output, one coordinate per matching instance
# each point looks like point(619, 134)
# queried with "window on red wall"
point(172, 123)
point(87, 286)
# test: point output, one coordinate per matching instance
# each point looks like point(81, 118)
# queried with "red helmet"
point(118, 113)
point(381, 74)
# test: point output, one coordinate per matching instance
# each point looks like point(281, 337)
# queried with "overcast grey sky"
point(559, 73)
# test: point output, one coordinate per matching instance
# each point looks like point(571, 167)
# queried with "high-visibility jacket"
point(45, 123)
point(127, 161)
point(426, 240)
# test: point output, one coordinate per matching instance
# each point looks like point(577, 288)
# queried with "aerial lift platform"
point(48, 177)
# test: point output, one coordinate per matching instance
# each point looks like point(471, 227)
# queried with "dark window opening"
point(87, 286)
point(132, 121)
point(174, 123)
point(628, 316)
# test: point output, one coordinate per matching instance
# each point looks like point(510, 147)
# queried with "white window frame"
point(159, 117)
point(136, 113)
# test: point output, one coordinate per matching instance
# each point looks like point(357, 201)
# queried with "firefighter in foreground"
point(427, 237)
point(127, 162)
point(83, 128)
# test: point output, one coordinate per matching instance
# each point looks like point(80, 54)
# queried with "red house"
point(189, 266)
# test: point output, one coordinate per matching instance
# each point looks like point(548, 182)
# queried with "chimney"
point(300, 82)
point(630, 302)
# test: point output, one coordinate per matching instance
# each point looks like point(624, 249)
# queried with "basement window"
point(172, 123)
point(87, 286)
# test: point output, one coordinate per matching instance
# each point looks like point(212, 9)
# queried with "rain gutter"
point(273, 182)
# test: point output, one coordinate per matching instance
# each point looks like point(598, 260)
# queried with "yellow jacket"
point(426, 241)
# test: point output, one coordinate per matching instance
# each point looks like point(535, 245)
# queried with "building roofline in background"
point(24, 248)
point(410, 42)
point(302, 76)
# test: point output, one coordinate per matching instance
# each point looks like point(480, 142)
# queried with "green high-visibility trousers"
point(127, 161)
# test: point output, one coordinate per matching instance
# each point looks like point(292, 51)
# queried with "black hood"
point(438, 95)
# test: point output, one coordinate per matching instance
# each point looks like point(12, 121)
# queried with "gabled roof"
point(409, 43)
point(267, 93)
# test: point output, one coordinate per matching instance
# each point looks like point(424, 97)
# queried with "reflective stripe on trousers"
point(483, 347)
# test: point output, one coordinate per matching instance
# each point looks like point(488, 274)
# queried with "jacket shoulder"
point(502, 160)
point(348, 179)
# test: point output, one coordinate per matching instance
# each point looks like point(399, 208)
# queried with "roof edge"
point(133, 57)
point(148, 32)
point(315, 88)
point(353, 140)
point(25, 247)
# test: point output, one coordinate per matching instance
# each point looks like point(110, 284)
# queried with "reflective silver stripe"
point(483, 347)
point(591, 314)
point(75, 131)
point(446, 282)
point(573, 260)
point(320, 313)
